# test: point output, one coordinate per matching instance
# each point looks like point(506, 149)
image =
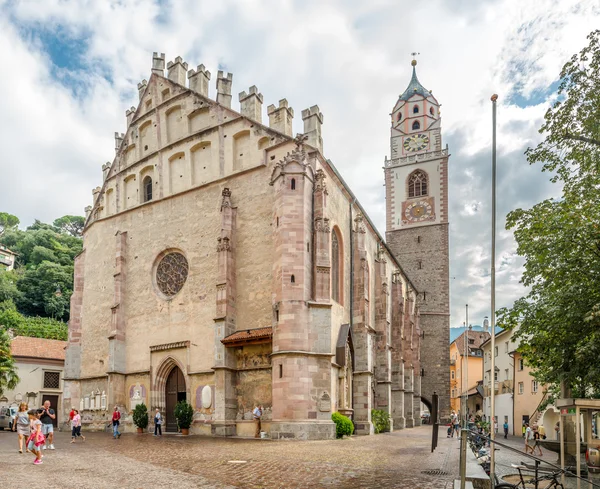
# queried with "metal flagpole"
point(493, 299)
point(467, 369)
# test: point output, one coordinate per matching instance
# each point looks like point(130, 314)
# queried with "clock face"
point(417, 211)
point(416, 143)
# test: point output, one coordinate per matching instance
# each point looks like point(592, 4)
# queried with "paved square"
point(394, 460)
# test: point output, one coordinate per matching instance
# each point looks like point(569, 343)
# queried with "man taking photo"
point(47, 418)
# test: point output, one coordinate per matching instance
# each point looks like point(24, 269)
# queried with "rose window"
point(171, 273)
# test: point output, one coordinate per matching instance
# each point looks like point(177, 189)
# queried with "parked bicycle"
point(545, 481)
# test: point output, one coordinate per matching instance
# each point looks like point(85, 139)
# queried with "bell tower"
point(416, 181)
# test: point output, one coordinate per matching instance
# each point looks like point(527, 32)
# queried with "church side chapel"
point(227, 263)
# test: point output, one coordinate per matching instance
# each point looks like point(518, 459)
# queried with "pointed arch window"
point(336, 267)
point(416, 125)
point(147, 186)
point(417, 184)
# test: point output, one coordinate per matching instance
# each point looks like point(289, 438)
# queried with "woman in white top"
point(22, 423)
point(157, 423)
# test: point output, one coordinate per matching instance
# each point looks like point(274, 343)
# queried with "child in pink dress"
point(36, 438)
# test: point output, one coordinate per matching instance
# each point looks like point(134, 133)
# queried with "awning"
point(255, 336)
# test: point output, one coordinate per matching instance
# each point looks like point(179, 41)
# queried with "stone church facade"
point(228, 264)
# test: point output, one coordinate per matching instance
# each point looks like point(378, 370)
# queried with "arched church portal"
point(175, 391)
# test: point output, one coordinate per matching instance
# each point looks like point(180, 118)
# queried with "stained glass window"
point(171, 273)
point(335, 267)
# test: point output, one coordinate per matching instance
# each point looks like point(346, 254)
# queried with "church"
point(227, 263)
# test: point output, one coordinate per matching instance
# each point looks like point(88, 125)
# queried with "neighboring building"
point(40, 365)
point(528, 396)
point(416, 185)
point(227, 263)
point(7, 258)
point(518, 394)
point(503, 377)
point(459, 385)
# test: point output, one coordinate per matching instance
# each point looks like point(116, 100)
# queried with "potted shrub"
point(184, 413)
point(343, 425)
point(140, 417)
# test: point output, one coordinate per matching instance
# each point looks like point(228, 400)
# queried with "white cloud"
point(350, 57)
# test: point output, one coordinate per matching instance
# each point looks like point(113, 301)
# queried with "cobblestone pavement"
point(392, 460)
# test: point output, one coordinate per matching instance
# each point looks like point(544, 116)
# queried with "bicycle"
point(526, 482)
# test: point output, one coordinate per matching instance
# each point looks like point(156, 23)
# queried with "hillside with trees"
point(34, 297)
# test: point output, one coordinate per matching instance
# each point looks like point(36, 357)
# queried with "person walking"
point(36, 438)
point(157, 423)
point(529, 443)
point(76, 426)
point(47, 418)
point(116, 417)
point(21, 424)
point(455, 424)
point(536, 442)
point(257, 414)
point(505, 426)
point(542, 431)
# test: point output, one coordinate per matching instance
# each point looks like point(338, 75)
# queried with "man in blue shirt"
point(257, 414)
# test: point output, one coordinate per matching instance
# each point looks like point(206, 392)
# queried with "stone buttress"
point(225, 323)
point(301, 358)
point(383, 356)
point(397, 332)
point(116, 336)
point(363, 334)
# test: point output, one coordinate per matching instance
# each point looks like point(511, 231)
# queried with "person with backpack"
point(536, 440)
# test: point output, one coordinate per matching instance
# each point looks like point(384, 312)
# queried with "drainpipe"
point(351, 298)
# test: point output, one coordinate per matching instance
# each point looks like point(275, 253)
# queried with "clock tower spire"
point(416, 180)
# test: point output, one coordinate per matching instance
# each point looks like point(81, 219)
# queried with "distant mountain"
point(456, 332)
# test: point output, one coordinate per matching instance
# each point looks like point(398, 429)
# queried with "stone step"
point(468, 484)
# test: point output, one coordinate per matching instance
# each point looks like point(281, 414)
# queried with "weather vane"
point(414, 55)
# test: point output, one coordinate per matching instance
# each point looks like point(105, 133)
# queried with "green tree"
point(72, 225)
point(44, 274)
point(46, 290)
point(7, 221)
point(8, 371)
point(560, 238)
point(8, 286)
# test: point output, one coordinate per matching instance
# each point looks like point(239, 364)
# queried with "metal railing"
point(567, 471)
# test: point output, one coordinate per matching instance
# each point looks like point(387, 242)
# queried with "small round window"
point(171, 273)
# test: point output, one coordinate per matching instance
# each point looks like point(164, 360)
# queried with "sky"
point(72, 68)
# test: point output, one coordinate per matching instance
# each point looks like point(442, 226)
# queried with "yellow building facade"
point(470, 341)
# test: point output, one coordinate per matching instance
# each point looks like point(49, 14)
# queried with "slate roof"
point(249, 336)
point(22, 346)
point(415, 87)
point(478, 337)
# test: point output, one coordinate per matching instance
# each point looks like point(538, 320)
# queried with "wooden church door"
point(176, 392)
